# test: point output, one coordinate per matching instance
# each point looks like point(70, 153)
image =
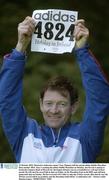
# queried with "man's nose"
point(54, 109)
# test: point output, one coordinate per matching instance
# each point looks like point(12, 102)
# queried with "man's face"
point(56, 109)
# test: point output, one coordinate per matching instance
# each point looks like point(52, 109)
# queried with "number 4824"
point(48, 33)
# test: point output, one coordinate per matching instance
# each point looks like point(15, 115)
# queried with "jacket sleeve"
point(97, 97)
point(11, 108)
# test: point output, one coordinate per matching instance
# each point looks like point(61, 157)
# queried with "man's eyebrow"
point(61, 101)
point(46, 101)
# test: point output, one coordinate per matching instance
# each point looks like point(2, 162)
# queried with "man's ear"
point(41, 104)
point(75, 107)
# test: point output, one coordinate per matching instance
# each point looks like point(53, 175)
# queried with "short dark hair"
point(62, 85)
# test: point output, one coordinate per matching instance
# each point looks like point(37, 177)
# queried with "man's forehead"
point(56, 94)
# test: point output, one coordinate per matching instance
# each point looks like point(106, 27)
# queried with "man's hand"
point(25, 30)
point(81, 33)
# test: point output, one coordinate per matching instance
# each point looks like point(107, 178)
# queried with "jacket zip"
point(58, 136)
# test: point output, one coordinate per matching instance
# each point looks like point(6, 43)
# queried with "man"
point(59, 140)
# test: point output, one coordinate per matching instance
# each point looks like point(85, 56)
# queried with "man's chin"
point(54, 126)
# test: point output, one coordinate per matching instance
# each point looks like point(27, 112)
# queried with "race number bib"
point(53, 31)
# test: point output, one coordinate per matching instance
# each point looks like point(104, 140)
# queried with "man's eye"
point(63, 104)
point(48, 103)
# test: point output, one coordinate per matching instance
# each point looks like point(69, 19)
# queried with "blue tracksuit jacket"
point(75, 142)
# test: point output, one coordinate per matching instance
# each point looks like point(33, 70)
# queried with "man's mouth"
point(54, 116)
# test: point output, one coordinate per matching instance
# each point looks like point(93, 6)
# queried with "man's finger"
point(80, 21)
